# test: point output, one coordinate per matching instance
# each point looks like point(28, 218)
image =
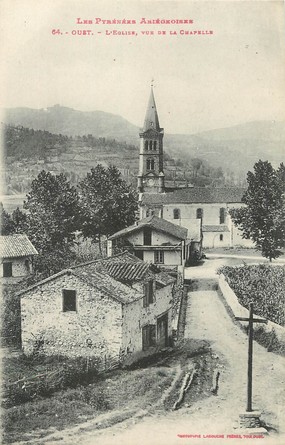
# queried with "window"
point(222, 215)
point(221, 237)
point(149, 212)
point(27, 266)
point(150, 145)
point(154, 145)
point(69, 300)
point(159, 257)
point(146, 145)
point(139, 254)
point(148, 294)
point(199, 213)
point(148, 336)
point(7, 269)
point(147, 236)
point(176, 213)
point(150, 164)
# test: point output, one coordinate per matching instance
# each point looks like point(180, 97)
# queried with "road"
point(207, 319)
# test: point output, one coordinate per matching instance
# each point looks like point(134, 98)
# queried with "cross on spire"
point(152, 80)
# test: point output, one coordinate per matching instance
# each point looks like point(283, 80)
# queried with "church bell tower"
point(151, 176)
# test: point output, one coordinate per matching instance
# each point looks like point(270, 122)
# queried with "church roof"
point(196, 195)
point(151, 118)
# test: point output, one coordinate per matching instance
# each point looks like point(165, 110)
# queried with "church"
point(181, 206)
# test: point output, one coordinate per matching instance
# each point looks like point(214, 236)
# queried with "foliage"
point(108, 204)
point(42, 376)
point(261, 284)
point(10, 316)
point(263, 218)
point(53, 208)
point(7, 225)
point(21, 142)
point(19, 219)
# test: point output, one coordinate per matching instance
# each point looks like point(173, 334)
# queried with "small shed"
point(16, 253)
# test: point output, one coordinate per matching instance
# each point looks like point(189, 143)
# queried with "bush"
point(263, 285)
point(34, 377)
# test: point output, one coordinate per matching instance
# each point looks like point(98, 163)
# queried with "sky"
point(201, 82)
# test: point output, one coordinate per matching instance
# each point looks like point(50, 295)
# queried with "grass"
point(117, 394)
point(118, 390)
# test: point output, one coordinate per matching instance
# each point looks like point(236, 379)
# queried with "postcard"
point(100, 345)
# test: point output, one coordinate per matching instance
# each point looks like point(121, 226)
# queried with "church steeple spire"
point(151, 176)
point(151, 118)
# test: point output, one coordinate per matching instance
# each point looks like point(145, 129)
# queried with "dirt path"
point(207, 319)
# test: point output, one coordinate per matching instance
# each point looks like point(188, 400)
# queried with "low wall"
point(237, 310)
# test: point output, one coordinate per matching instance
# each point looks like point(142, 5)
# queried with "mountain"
point(70, 122)
point(233, 149)
point(237, 147)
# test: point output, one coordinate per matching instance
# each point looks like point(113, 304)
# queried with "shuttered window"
point(148, 293)
point(148, 336)
point(69, 300)
point(7, 269)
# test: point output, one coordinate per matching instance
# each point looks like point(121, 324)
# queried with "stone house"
point(16, 253)
point(154, 240)
point(104, 309)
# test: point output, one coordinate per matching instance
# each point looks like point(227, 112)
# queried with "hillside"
point(83, 139)
point(28, 151)
point(221, 147)
point(70, 122)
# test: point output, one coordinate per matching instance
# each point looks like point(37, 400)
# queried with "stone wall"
point(94, 329)
point(136, 316)
point(212, 239)
point(19, 266)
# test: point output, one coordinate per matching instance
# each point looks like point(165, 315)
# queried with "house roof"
point(126, 271)
point(12, 246)
point(159, 224)
point(196, 195)
point(217, 228)
point(126, 267)
point(109, 274)
point(102, 281)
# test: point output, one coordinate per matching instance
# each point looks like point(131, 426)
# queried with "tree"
point(52, 206)
point(263, 217)
point(7, 224)
point(19, 219)
point(108, 203)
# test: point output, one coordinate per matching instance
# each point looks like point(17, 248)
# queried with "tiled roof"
point(217, 228)
point(126, 271)
point(109, 285)
point(104, 282)
point(126, 267)
point(12, 246)
point(154, 222)
point(196, 195)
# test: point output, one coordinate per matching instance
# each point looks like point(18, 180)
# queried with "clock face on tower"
point(150, 182)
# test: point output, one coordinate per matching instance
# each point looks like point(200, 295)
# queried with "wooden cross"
point(250, 320)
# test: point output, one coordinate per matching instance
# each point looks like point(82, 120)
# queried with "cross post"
point(250, 320)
